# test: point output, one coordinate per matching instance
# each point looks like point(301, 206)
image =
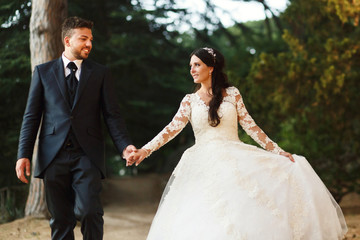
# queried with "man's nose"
point(88, 43)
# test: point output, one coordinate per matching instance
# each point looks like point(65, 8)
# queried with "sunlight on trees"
point(298, 72)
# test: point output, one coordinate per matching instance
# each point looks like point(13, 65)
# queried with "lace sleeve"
point(251, 128)
point(177, 124)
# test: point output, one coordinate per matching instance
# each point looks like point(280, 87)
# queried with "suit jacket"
point(48, 100)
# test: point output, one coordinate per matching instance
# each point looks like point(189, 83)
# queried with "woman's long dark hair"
point(219, 81)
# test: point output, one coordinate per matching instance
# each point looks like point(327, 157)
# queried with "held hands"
point(136, 157)
point(133, 155)
point(288, 155)
point(128, 150)
point(21, 165)
point(127, 153)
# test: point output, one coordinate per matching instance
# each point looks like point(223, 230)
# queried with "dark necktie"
point(72, 82)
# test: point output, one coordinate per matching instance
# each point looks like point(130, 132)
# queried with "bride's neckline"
point(201, 100)
point(204, 102)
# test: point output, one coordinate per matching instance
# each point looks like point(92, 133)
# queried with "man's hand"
point(21, 165)
point(127, 152)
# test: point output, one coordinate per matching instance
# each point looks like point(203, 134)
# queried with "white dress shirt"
point(67, 70)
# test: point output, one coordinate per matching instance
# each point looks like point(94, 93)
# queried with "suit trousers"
point(72, 188)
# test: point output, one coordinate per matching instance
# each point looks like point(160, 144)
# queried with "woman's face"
point(200, 72)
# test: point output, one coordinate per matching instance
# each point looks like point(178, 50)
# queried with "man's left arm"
point(113, 118)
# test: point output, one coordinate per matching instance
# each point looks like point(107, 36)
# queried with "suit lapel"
point(59, 75)
point(86, 70)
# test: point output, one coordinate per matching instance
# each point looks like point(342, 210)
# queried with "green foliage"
point(12, 203)
point(15, 78)
point(300, 84)
point(312, 91)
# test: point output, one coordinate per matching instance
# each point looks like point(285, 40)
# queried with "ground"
point(130, 204)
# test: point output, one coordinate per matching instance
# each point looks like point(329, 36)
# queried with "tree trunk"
point(45, 45)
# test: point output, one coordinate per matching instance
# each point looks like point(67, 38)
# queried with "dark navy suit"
point(72, 178)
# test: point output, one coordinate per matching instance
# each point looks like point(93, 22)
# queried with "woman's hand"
point(288, 155)
point(136, 157)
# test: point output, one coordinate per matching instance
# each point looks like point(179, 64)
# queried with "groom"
point(67, 97)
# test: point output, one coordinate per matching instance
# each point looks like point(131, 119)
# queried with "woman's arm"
point(177, 124)
point(253, 130)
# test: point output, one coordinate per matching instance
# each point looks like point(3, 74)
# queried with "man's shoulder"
point(49, 64)
point(94, 64)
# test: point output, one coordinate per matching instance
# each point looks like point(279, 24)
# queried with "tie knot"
point(72, 66)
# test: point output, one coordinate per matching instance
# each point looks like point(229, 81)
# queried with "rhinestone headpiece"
point(211, 52)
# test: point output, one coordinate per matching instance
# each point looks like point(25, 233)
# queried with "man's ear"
point(67, 41)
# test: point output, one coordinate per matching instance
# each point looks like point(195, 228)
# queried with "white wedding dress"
point(224, 189)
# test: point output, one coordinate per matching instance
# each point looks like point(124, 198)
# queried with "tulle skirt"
point(229, 190)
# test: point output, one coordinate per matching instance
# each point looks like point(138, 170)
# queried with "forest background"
point(298, 73)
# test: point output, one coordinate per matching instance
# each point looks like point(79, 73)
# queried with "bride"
point(224, 189)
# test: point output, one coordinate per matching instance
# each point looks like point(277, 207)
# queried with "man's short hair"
point(72, 23)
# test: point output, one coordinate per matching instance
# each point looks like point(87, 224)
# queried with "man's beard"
point(77, 55)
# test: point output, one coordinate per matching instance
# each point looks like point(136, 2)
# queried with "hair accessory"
point(211, 52)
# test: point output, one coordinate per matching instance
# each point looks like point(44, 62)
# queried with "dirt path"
point(130, 223)
point(130, 204)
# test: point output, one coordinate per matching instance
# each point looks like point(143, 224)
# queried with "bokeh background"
point(298, 69)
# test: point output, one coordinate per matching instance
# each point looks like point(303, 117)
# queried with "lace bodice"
point(231, 111)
